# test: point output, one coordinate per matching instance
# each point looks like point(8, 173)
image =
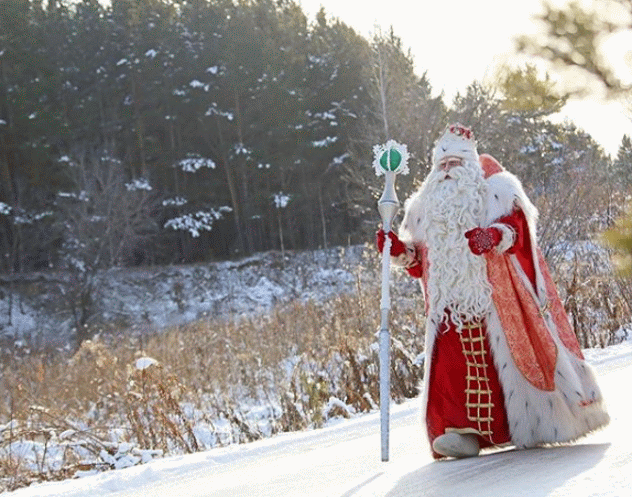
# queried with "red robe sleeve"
point(521, 247)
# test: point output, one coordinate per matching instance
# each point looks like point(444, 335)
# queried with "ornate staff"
point(390, 160)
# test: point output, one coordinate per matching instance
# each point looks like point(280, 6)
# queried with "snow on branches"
point(174, 202)
point(138, 184)
point(21, 216)
point(198, 221)
point(281, 200)
point(193, 163)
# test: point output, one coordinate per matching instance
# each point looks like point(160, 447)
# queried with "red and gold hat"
point(457, 141)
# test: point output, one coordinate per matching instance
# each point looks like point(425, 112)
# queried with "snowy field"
point(343, 460)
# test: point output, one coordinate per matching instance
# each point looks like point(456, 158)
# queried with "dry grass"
point(304, 363)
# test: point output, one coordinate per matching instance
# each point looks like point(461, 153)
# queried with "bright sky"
point(459, 41)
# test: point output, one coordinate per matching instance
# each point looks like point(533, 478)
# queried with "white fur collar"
point(504, 193)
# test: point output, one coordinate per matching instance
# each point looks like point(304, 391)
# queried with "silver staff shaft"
point(388, 205)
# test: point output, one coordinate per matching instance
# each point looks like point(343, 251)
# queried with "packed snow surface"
point(343, 460)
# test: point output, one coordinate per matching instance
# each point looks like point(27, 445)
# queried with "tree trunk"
point(322, 216)
point(231, 188)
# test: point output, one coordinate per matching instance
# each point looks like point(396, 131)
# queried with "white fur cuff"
point(406, 259)
point(508, 237)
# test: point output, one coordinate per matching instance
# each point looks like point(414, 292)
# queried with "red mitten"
point(483, 240)
point(397, 246)
point(415, 271)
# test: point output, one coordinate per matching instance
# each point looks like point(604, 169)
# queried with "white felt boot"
point(456, 445)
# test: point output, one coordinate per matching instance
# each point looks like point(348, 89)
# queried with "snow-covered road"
point(343, 460)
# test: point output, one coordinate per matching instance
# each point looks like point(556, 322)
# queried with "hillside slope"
point(36, 308)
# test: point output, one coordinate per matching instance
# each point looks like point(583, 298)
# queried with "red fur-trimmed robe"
point(518, 375)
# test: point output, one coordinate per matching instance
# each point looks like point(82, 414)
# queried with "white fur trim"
point(504, 193)
point(406, 259)
point(453, 145)
point(508, 237)
point(538, 417)
point(431, 331)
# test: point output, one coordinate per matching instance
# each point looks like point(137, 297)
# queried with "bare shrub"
point(104, 221)
point(153, 408)
point(572, 217)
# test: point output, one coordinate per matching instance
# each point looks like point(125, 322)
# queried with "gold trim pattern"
point(478, 393)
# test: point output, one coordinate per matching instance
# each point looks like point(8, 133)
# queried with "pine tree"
point(622, 167)
point(524, 91)
point(31, 129)
point(573, 40)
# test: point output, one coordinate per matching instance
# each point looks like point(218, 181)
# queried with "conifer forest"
point(151, 132)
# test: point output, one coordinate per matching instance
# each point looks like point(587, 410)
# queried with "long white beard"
point(457, 279)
